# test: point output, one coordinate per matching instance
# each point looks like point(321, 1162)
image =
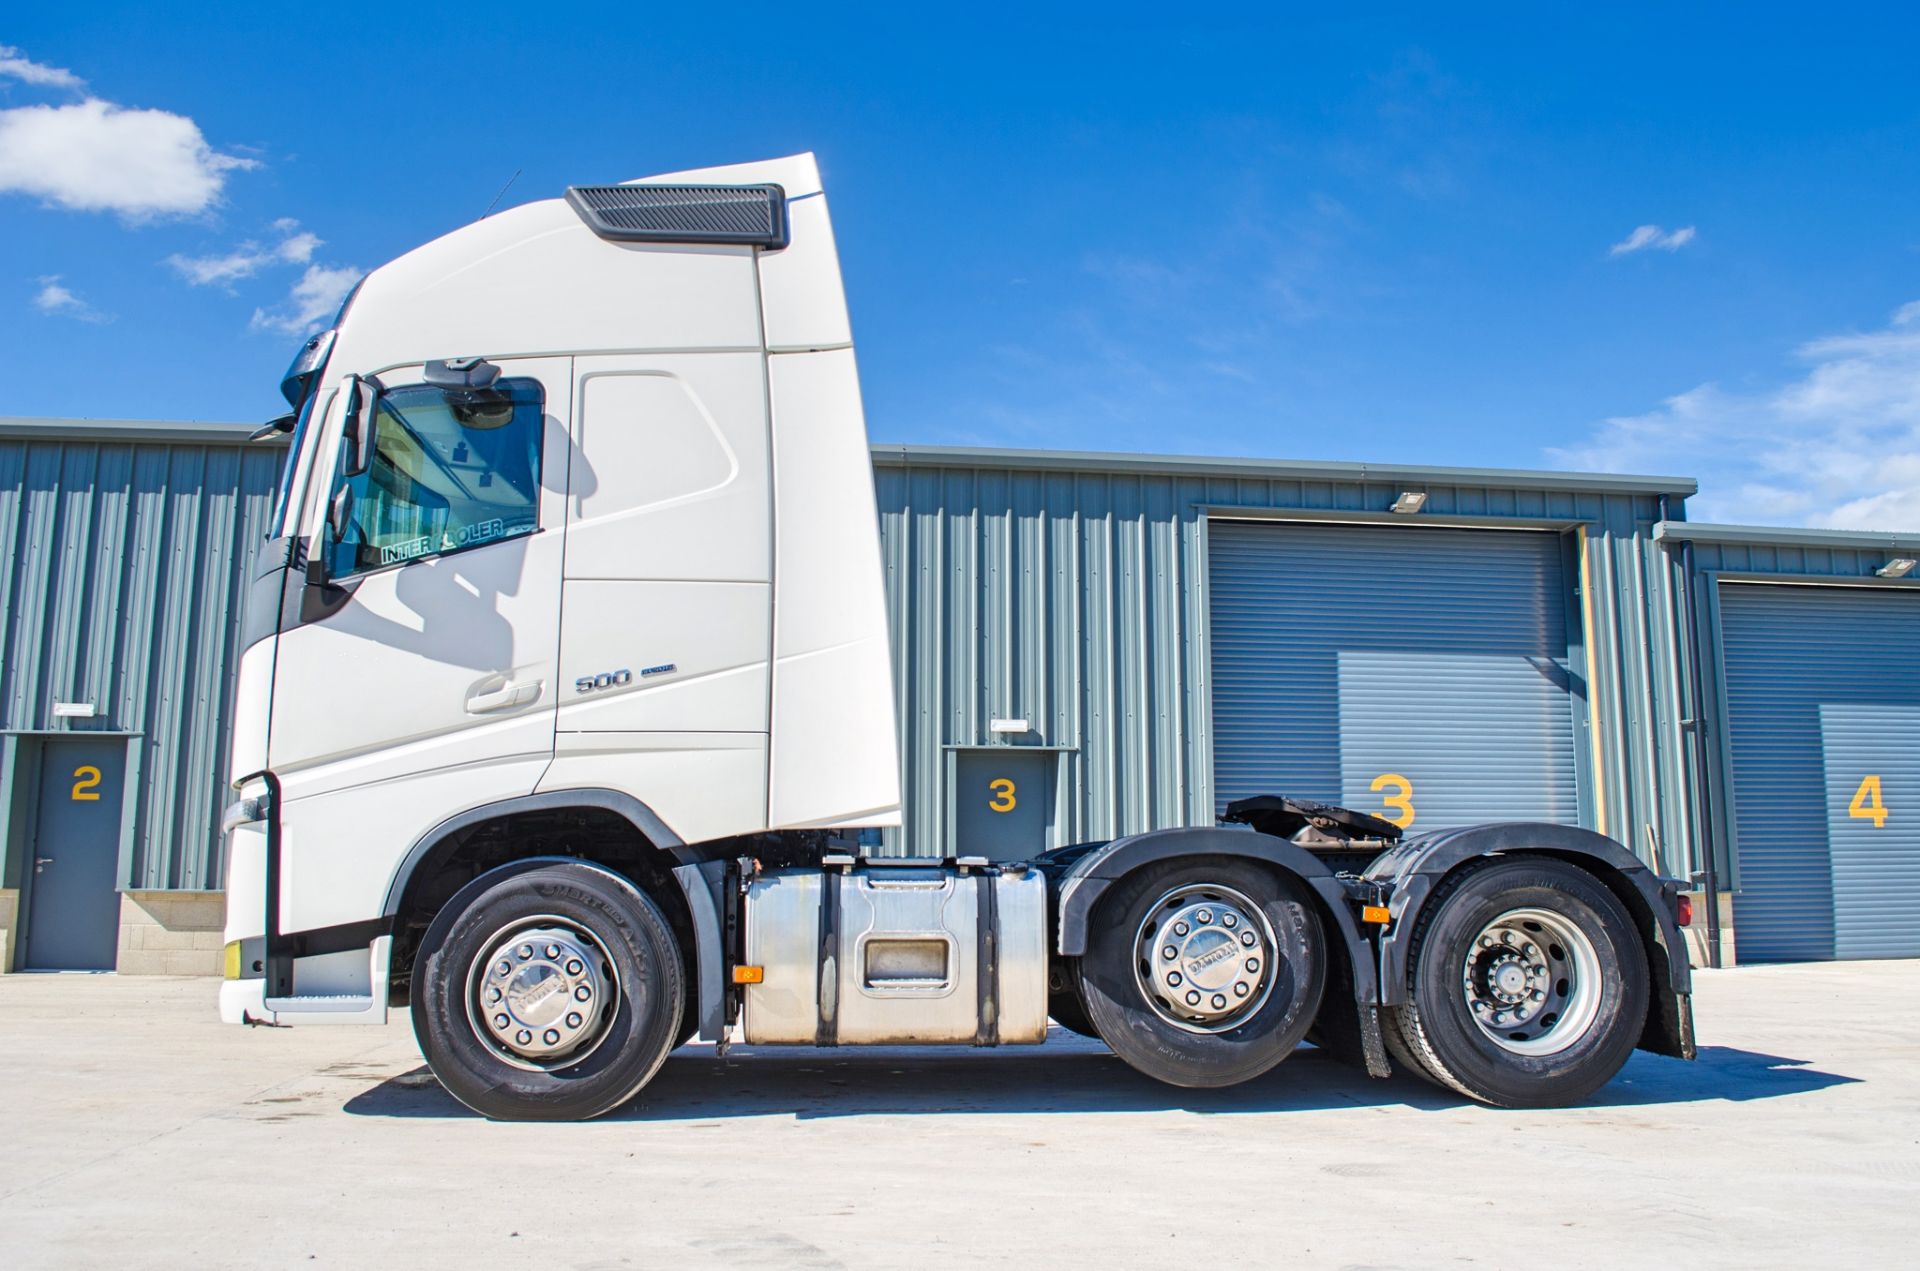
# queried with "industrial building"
point(1109, 644)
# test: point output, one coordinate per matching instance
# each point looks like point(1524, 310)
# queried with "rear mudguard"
point(1409, 873)
point(1080, 884)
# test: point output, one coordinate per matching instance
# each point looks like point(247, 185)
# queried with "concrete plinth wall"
point(171, 932)
point(9, 923)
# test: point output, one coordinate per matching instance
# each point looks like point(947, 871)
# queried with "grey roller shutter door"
point(1823, 693)
point(1345, 657)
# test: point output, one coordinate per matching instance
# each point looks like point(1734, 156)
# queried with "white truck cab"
point(566, 681)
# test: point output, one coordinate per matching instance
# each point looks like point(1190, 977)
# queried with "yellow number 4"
point(1401, 801)
point(1003, 800)
point(1867, 804)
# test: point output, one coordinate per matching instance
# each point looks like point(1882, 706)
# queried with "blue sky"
point(1409, 236)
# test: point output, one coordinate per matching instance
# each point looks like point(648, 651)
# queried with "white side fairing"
point(835, 756)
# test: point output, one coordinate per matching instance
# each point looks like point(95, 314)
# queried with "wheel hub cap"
point(1204, 958)
point(540, 991)
point(1531, 979)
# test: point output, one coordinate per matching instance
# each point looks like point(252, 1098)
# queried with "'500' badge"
point(606, 679)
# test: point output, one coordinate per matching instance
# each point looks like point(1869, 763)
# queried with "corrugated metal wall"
point(125, 563)
point(1843, 558)
point(1077, 598)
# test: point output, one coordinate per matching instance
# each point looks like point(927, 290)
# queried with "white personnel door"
point(431, 687)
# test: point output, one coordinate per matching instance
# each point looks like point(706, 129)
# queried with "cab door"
point(420, 680)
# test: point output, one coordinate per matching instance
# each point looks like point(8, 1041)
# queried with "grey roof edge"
point(1784, 536)
point(171, 431)
point(1413, 475)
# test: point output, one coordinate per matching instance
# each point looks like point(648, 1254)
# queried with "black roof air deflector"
point(740, 215)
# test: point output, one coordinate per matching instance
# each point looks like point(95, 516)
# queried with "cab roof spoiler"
point(728, 215)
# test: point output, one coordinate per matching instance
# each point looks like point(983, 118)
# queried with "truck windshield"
point(277, 523)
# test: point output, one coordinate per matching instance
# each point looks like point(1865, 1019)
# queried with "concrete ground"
point(141, 1132)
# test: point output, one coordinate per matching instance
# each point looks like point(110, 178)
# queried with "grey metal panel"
point(166, 432)
point(1078, 598)
point(1821, 694)
point(1463, 709)
point(1401, 476)
point(1782, 536)
point(125, 562)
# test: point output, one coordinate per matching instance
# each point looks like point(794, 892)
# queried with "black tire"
point(1437, 1032)
point(642, 966)
point(1136, 1030)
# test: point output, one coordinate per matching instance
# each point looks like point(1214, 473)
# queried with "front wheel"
point(1204, 972)
point(1529, 985)
point(553, 994)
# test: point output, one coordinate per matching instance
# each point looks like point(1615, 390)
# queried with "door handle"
point(504, 697)
point(41, 862)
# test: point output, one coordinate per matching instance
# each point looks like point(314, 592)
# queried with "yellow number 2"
point(1003, 800)
point(86, 784)
point(1867, 804)
point(1401, 801)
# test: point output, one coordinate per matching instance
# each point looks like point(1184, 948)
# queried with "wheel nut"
point(500, 1021)
point(1531, 951)
point(493, 995)
point(1204, 916)
point(551, 1037)
point(575, 966)
point(1228, 920)
point(523, 1037)
point(1169, 953)
point(1247, 938)
point(1193, 999)
point(1173, 978)
point(1240, 989)
point(1253, 965)
point(573, 1019)
point(553, 951)
point(1486, 942)
point(1219, 1002)
point(526, 951)
point(505, 968)
point(1180, 928)
point(582, 993)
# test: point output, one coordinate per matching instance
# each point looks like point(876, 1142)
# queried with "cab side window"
point(452, 469)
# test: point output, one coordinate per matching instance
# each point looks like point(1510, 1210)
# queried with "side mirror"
point(363, 399)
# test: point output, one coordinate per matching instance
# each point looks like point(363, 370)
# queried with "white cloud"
point(15, 64)
point(311, 300)
point(1651, 236)
point(1837, 447)
point(55, 297)
point(95, 156)
point(296, 247)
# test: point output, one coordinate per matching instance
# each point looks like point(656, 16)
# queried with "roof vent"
point(743, 215)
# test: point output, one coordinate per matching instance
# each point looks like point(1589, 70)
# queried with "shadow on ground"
point(1072, 1074)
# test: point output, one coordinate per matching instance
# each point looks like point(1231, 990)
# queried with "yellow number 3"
point(1868, 804)
point(1003, 800)
point(1401, 801)
point(86, 784)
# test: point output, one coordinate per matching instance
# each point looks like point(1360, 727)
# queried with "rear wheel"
point(548, 995)
point(1528, 985)
point(1204, 972)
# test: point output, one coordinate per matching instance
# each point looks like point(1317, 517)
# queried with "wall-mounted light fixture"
point(1008, 726)
point(1897, 568)
point(74, 710)
point(1410, 501)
